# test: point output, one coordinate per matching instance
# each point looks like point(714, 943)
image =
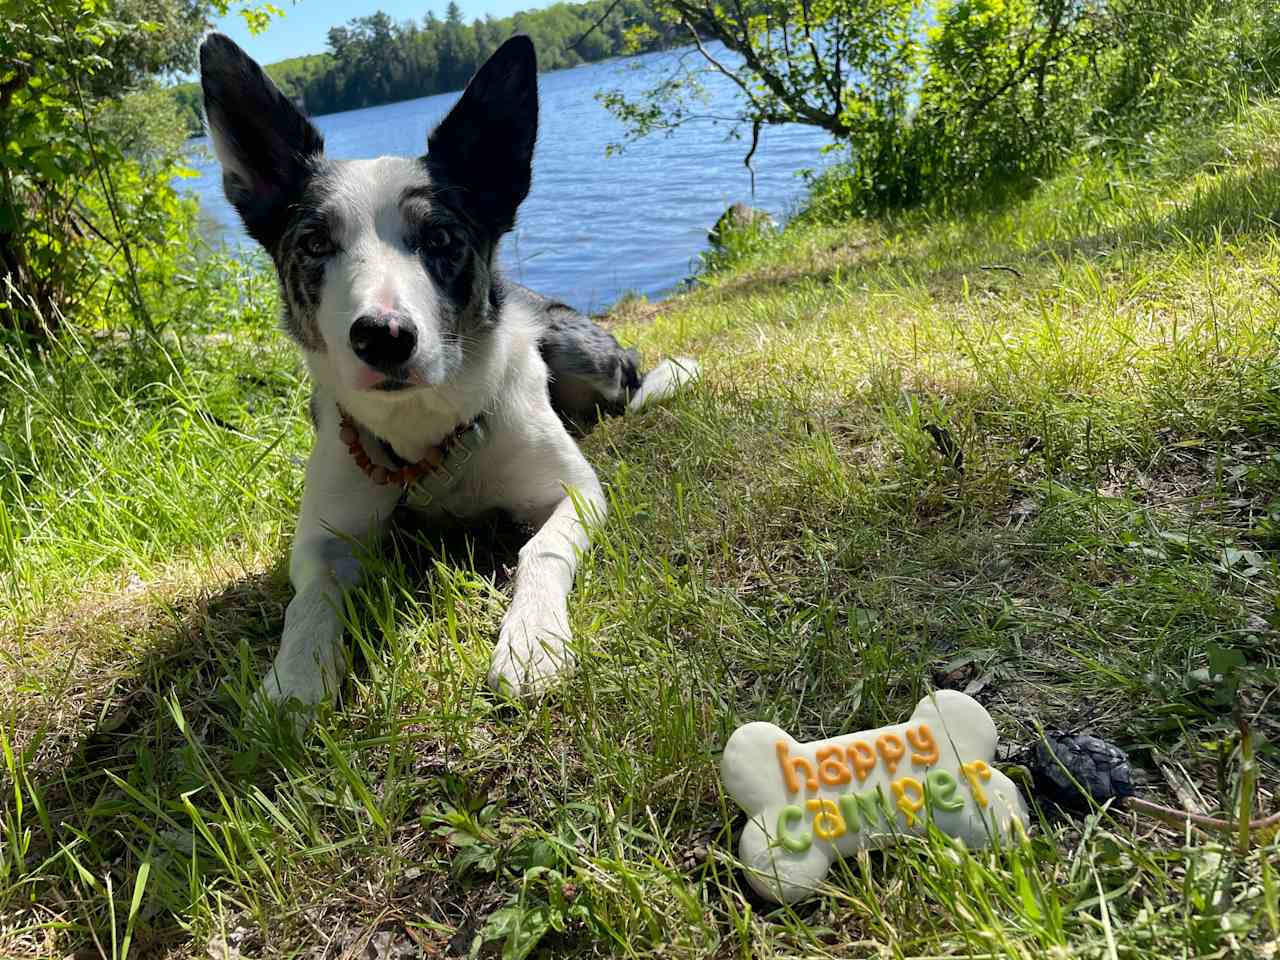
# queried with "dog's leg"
point(590, 372)
point(532, 649)
point(340, 508)
point(533, 643)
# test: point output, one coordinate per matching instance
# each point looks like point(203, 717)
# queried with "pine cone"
point(1070, 770)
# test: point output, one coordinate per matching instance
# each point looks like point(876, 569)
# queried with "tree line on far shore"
point(374, 60)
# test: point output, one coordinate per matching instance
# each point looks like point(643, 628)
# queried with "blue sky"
point(305, 24)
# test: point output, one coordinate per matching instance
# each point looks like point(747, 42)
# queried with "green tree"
point(87, 152)
point(832, 64)
point(457, 50)
point(373, 60)
point(935, 99)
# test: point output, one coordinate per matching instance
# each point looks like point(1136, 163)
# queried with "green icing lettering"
point(868, 807)
point(798, 842)
point(849, 810)
point(941, 787)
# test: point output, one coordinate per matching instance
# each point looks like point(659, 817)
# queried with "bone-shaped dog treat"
point(811, 803)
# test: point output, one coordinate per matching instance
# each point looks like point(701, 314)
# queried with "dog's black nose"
point(384, 341)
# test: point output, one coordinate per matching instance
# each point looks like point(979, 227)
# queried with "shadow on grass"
point(163, 774)
point(1236, 205)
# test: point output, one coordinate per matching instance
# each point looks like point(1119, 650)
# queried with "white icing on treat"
point(812, 803)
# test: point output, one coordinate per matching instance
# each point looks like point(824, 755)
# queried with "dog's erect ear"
point(485, 144)
point(265, 145)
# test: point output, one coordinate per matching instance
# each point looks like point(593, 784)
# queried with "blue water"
point(593, 227)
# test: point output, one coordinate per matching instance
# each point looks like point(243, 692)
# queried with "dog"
point(438, 384)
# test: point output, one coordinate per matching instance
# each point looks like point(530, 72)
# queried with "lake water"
point(593, 227)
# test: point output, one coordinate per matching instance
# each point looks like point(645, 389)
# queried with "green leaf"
point(1223, 661)
point(521, 927)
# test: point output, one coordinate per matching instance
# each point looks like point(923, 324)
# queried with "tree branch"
point(746, 161)
point(592, 29)
point(819, 68)
point(801, 111)
point(706, 54)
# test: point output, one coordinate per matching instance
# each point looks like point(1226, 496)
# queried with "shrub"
point(88, 219)
point(1010, 87)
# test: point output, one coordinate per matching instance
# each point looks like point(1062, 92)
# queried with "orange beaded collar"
point(408, 473)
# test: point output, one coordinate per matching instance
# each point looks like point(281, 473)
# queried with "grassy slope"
point(786, 543)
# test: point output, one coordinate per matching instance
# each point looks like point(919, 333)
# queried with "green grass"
point(787, 542)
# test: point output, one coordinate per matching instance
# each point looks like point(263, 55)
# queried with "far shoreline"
point(373, 106)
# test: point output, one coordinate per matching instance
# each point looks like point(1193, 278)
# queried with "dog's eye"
point(317, 244)
point(436, 240)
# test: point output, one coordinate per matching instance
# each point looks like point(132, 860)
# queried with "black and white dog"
point(437, 383)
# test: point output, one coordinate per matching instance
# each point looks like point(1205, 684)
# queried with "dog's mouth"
point(367, 379)
point(376, 381)
point(393, 385)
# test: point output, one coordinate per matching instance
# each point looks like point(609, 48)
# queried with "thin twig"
point(1180, 818)
point(746, 161)
point(1000, 266)
point(592, 29)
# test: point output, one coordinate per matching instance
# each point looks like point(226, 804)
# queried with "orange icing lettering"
point(974, 771)
point(832, 770)
point(909, 794)
point(891, 749)
point(862, 758)
point(791, 766)
point(921, 738)
point(827, 822)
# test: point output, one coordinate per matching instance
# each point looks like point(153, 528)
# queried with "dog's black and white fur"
point(387, 271)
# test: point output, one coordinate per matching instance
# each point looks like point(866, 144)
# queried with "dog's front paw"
point(299, 692)
point(532, 651)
